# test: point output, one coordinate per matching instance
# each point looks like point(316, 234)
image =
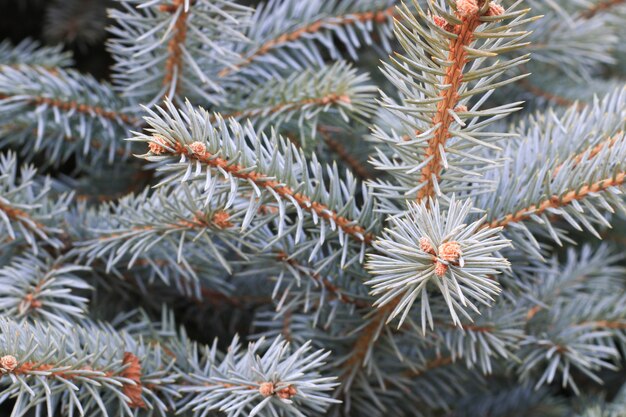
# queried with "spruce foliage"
point(307, 208)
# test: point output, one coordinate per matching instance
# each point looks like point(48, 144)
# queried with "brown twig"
point(331, 98)
point(355, 165)
point(79, 108)
point(348, 226)
point(174, 61)
point(602, 6)
point(54, 70)
point(454, 77)
point(539, 92)
point(21, 217)
point(591, 152)
point(559, 201)
point(457, 54)
point(378, 16)
point(438, 362)
point(329, 286)
point(609, 324)
point(132, 371)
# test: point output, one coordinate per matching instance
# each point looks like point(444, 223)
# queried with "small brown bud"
point(157, 147)
point(440, 269)
point(8, 363)
point(198, 148)
point(426, 246)
point(440, 21)
point(495, 9)
point(450, 251)
point(266, 389)
point(467, 8)
point(287, 393)
point(221, 219)
point(460, 109)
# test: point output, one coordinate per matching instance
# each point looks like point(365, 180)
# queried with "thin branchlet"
point(375, 16)
point(326, 100)
point(457, 56)
point(80, 108)
point(358, 232)
point(443, 119)
point(562, 200)
point(175, 60)
point(601, 7)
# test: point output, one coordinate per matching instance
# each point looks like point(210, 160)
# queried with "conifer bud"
point(450, 251)
point(467, 8)
point(221, 219)
point(425, 246)
point(266, 389)
point(440, 21)
point(198, 148)
point(8, 363)
point(287, 393)
point(495, 9)
point(460, 109)
point(440, 269)
point(158, 146)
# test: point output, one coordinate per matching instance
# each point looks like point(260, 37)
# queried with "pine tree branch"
point(591, 153)
point(79, 108)
point(438, 362)
point(363, 345)
point(330, 91)
point(20, 216)
point(357, 232)
point(609, 324)
point(174, 61)
point(370, 332)
point(458, 56)
point(378, 16)
point(43, 288)
point(321, 101)
point(601, 6)
point(95, 143)
point(557, 201)
point(539, 92)
point(54, 70)
point(132, 371)
point(355, 165)
point(195, 223)
point(441, 361)
point(206, 295)
point(334, 290)
point(31, 53)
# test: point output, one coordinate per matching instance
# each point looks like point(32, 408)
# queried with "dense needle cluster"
point(294, 208)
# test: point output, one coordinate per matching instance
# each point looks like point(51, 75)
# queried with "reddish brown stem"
point(132, 372)
point(379, 16)
point(556, 99)
point(435, 363)
point(348, 226)
point(174, 62)
point(322, 101)
point(559, 201)
point(79, 108)
point(457, 55)
point(602, 6)
point(329, 286)
point(21, 217)
point(355, 165)
point(591, 153)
